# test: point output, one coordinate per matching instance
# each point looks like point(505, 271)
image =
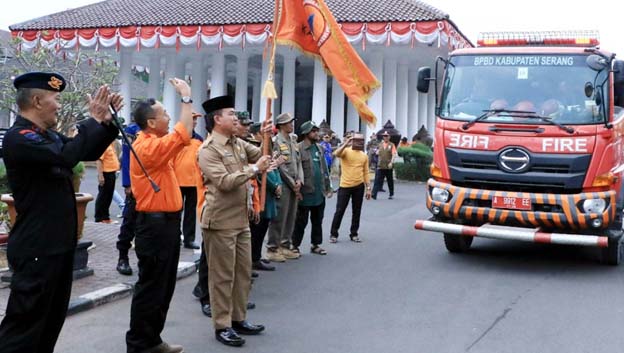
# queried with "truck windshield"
point(552, 86)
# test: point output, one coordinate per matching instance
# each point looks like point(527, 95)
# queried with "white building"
point(219, 45)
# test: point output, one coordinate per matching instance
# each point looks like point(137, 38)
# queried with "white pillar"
point(180, 72)
point(422, 111)
point(125, 78)
point(412, 106)
point(169, 94)
point(431, 109)
point(319, 93)
point(198, 89)
point(390, 91)
point(263, 79)
point(242, 70)
point(337, 108)
point(217, 75)
point(257, 93)
point(288, 83)
point(375, 103)
point(401, 99)
point(153, 89)
point(353, 119)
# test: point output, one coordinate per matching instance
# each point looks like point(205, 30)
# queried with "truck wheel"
point(613, 254)
point(456, 243)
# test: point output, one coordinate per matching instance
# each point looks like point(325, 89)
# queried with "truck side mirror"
point(424, 76)
point(618, 82)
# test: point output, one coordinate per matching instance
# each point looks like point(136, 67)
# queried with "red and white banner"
point(439, 33)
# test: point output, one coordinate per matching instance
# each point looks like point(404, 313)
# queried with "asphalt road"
point(401, 291)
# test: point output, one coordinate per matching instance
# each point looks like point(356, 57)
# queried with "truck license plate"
point(514, 203)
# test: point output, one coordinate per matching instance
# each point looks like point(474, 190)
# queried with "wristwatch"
point(186, 99)
point(255, 168)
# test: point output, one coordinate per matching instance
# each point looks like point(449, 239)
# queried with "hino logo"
point(514, 160)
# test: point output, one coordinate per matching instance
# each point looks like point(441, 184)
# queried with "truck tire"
point(614, 254)
point(456, 243)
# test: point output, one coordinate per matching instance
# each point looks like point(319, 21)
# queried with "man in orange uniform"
point(187, 171)
point(157, 232)
point(107, 167)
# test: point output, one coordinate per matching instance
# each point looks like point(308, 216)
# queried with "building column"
point(375, 103)
point(401, 98)
point(198, 89)
point(169, 93)
point(412, 106)
point(288, 82)
point(319, 93)
point(337, 108)
point(353, 119)
point(180, 72)
point(257, 97)
point(431, 118)
point(217, 75)
point(242, 70)
point(153, 89)
point(390, 91)
point(125, 78)
point(422, 111)
point(263, 79)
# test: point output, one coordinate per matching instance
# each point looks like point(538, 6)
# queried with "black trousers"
point(356, 194)
point(40, 292)
point(157, 245)
point(258, 232)
point(126, 231)
point(189, 196)
point(105, 197)
point(202, 276)
point(379, 180)
point(315, 213)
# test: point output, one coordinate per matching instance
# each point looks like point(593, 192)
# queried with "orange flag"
point(309, 26)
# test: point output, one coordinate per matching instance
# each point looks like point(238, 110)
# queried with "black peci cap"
point(49, 81)
point(217, 103)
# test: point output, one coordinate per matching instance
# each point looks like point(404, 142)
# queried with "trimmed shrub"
point(417, 159)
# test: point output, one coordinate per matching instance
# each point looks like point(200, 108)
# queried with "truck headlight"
point(441, 195)
point(594, 206)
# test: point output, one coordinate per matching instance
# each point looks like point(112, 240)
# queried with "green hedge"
point(417, 159)
point(4, 181)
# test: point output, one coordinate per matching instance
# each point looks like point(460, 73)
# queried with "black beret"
point(255, 128)
point(217, 103)
point(49, 81)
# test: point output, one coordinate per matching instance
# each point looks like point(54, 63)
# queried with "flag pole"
point(269, 92)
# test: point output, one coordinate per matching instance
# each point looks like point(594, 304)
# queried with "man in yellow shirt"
point(107, 167)
point(354, 184)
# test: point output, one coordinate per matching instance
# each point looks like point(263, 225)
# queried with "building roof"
point(121, 13)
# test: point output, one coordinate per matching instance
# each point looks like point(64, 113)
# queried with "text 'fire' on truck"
point(529, 143)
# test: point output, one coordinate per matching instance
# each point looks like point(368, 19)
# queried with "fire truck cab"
point(529, 143)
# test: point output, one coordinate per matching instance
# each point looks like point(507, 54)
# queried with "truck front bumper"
point(547, 211)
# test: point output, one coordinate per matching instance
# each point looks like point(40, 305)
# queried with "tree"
point(83, 71)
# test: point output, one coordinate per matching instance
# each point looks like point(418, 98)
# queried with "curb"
point(118, 291)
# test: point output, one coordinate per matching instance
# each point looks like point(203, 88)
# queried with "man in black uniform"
point(41, 245)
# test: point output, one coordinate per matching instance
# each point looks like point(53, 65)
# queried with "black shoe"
point(191, 245)
point(254, 274)
point(382, 190)
point(206, 309)
point(123, 267)
point(390, 197)
point(373, 197)
point(265, 261)
point(260, 266)
point(245, 328)
point(251, 305)
point(229, 337)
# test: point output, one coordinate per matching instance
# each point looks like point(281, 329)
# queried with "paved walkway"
point(106, 283)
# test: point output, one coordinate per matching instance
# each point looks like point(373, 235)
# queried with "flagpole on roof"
point(269, 92)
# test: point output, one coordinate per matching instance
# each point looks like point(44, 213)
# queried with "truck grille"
point(560, 173)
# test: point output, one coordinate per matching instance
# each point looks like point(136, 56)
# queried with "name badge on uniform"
point(227, 154)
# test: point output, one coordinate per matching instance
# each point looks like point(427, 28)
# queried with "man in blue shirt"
point(126, 231)
point(316, 186)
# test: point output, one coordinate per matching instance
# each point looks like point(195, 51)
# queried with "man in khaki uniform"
point(224, 161)
point(291, 172)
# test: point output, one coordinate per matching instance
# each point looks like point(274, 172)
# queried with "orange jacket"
point(185, 164)
point(157, 155)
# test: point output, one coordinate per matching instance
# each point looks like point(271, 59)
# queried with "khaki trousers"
point(229, 274)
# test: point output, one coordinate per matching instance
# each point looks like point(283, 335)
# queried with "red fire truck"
point(529, 143)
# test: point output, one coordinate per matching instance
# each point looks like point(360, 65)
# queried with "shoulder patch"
point(31, 135)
